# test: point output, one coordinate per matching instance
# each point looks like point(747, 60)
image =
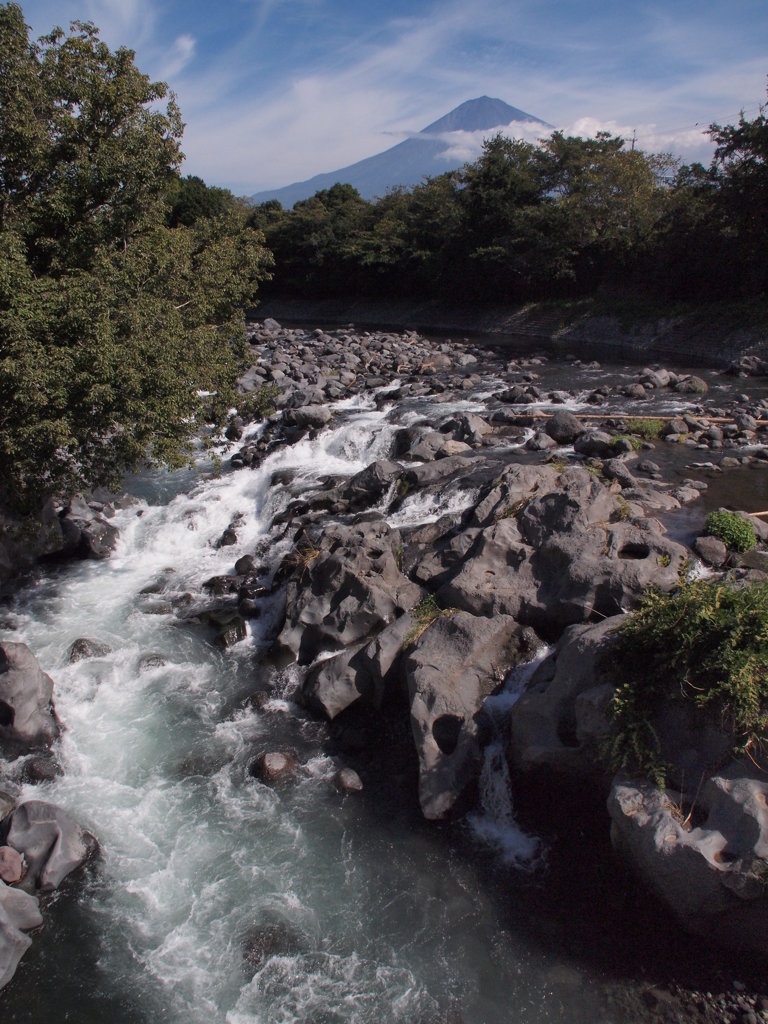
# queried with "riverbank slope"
point(704, 335)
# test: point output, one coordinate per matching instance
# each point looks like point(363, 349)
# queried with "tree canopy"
point(121, 286)
point(568, 218)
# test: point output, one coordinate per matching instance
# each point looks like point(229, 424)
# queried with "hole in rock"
point(726, 856)
point(7, 714)
point(566, 732)
point(445, 730)
point(634, 550)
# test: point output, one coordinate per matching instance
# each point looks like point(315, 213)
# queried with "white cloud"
point(181, 54)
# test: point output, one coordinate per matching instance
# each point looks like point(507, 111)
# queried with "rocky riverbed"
point(434, 599)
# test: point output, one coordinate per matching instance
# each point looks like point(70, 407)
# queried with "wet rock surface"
point(396, 623)
point(27, 716)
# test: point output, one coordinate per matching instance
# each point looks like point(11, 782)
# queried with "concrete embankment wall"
point(694, 339)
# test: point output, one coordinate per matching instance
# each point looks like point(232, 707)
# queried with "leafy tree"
point(318, 246)
point(191, 199)
point(501, 192)
point(112, 323)
point(611, 200)
point(741, 168)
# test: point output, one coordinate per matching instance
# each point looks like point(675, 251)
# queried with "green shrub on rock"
point(705, 646)
point(735, 532)
point(647, 427)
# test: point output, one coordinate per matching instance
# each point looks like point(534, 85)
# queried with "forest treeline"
point(568, 218)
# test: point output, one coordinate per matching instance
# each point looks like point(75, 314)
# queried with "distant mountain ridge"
point(412, 160)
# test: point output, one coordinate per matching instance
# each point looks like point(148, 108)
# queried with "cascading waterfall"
point(494, 822)
point(217, 898)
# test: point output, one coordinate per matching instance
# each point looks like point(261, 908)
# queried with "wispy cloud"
point(182, 53)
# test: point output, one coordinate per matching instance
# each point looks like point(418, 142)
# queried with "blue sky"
point(275, 91)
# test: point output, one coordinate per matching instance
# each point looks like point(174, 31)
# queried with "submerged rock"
point(85, 647)
point(347, 780)
point(273, 766)
point(272, 937)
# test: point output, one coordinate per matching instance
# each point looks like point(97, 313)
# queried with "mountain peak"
point(424, 154)
point(478, 115)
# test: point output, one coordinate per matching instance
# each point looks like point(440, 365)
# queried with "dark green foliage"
point(705, 646)
point(736, 533)
point(259, 403)
point(568, 219)
point(111, 321)
point(191, 200)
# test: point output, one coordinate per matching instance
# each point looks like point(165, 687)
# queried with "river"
point(220, 900)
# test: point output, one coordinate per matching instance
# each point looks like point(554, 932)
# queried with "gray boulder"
point(707, 860)
point(27, 716)
point(52, 842)
point(11, 865)
point(540, 442)
point(692, 385)
point(711, 550)
point(564, 427)
point(430, 473)
point(450, 670)
point(561, 717)
point(370, 484)
point(594, 443)
point(347, 592)
point(362, 671)
point(655, 378)
point(311, 417)
point(86, 534)
point(555, 557)
point(19, 912)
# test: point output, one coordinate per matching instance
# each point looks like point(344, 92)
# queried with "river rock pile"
point(77, 528)
point(432, 618)
point(553, 537)
point(40, 844)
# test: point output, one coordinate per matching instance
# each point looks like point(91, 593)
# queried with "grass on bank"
point(424, 614)
point(705, 646)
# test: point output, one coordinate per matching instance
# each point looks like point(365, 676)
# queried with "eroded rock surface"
point(52, 842)
point(708, 860)
point(450, 670)
point(27, 716)
point(345, 589)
